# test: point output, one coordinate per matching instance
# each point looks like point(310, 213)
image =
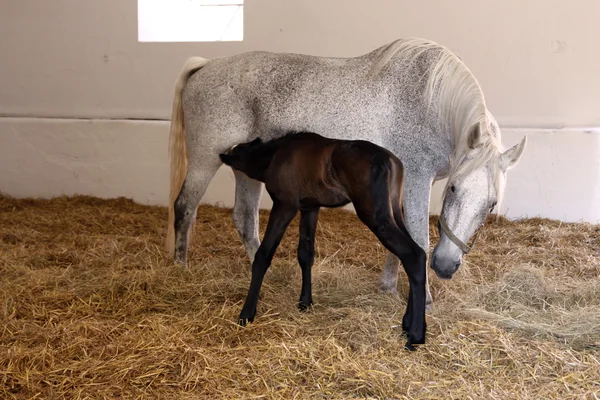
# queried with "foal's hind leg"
point(306, 254)
point(389, 279)
point(415, 263)
point(245, 211)
point(416, 211)
point(196, 181)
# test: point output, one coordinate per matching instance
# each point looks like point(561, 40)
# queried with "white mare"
point(412, 96)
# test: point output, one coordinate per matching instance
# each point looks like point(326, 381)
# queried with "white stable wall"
point(65, 61)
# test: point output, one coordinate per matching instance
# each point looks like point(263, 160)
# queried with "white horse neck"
point(453, 97)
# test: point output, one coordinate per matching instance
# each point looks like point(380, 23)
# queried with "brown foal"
point(305, 171)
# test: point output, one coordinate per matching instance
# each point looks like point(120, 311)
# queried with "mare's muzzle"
point(446, 263)
point(443, 227)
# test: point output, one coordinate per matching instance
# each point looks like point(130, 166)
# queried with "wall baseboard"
point(558, 176)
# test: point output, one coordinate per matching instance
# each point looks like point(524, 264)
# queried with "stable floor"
point(91, 307)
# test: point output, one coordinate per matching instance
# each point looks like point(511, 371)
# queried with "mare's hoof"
point(429, 306)
point(180, 258)
point(389, 290)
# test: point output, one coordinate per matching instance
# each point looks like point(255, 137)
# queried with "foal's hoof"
point(304, 306)
point(243, 321)
point(405, 329)
point(411, 342)
point(409, 347)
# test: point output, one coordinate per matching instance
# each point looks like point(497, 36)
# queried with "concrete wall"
point(65, 60)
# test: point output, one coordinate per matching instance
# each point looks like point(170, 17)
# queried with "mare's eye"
point(452, 189)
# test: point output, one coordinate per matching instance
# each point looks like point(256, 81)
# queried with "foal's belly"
point(329, 202)
point(321, 194)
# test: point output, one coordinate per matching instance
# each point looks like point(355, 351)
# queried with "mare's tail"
point(177, 145)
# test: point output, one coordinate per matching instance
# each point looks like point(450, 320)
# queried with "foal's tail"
point(177, 146)
point(388, 178)
point(397, 188)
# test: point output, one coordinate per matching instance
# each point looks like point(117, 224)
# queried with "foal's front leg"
point(306, 254)
point(279, 219)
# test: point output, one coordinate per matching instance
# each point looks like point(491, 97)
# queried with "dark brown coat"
point(305, 171)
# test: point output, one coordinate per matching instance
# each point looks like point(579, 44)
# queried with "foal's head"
point(475, 185)
point(250, 158)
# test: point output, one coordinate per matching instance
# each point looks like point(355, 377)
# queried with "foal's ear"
point(510, 157)
point(474, 136)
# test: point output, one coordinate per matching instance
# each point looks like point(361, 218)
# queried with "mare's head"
point(475, 186)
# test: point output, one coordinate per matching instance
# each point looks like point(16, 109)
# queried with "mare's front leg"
point(279, 219)
point(306, 254)
point(416, 196)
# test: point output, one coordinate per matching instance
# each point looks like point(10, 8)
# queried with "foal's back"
point(319, 171)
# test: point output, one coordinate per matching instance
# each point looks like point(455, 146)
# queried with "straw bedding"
point(91, 307)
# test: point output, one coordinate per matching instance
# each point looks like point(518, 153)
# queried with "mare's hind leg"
point(245, 211)
point(196, 181)
point(306, 254)
point(279, 219)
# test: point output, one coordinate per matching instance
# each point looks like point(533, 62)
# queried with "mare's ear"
point(474, 136)
point(510, 157)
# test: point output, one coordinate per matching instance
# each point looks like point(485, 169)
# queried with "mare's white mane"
point(454, 93)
